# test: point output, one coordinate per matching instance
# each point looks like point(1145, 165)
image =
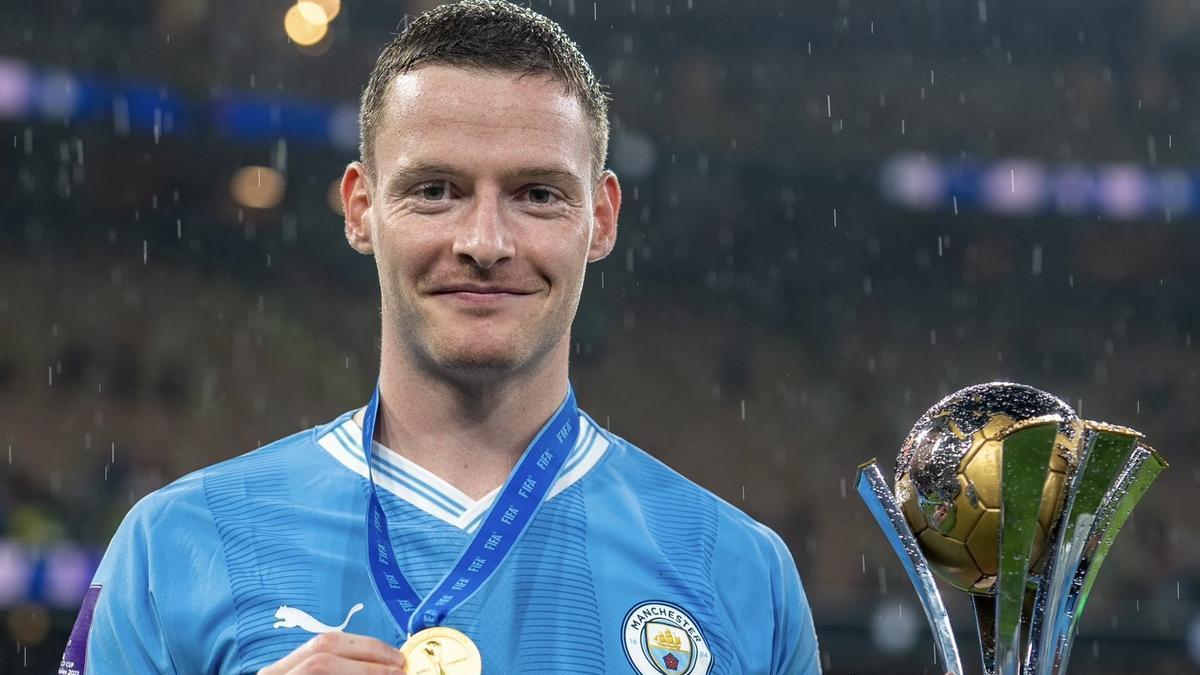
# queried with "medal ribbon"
point(519, 500)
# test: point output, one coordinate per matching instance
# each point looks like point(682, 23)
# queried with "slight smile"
point(482, 294)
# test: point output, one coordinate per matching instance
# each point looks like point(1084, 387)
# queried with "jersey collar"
point(426, 491)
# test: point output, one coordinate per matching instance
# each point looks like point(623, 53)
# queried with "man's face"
point(482, 216)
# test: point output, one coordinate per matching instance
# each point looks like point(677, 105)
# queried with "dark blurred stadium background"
point(836, 212)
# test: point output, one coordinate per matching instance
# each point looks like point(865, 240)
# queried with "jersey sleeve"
point(795, 645)
point(118, 629)
point(763, 600)
point(160, 601)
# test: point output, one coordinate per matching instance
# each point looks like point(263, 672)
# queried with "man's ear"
point(356, 205)
point(604, 217)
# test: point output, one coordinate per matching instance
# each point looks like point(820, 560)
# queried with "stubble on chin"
point(453, 350)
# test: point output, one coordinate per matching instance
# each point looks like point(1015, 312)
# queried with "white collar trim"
point(425, 490)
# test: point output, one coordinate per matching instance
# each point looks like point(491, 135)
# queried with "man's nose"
point(484, 238)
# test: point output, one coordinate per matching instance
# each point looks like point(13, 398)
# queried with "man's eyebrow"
point(407, 174)
point(546, 173)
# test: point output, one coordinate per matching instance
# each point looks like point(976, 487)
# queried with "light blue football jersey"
point(627, 568)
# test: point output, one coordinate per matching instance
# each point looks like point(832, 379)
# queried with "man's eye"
point(540, 196)
point(434, 192)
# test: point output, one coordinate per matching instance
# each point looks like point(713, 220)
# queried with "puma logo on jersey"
point(290, 617)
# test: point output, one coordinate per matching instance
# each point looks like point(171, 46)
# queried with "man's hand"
point(340, 653)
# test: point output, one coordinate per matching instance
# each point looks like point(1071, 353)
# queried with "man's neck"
point(469, 435)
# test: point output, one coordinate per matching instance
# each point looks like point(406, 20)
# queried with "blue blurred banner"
point(30, 93)
point(56, 577)
point(1024, 187)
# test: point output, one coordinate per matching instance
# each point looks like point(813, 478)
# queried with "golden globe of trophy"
point(1002, 491)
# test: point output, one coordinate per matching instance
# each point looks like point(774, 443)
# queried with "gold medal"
point(441, 651)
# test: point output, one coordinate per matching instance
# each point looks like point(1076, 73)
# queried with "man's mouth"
point(483, 289)
point(482, 293)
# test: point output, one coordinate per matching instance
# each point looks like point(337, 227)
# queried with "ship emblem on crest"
point(663, 639)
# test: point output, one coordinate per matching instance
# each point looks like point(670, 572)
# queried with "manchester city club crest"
point(662, 639)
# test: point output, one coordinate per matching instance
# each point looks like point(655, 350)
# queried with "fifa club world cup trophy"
point(1003, 492)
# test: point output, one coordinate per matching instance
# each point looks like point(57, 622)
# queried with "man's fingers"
point(356, 647)
point(345, 646)
point(333, 664)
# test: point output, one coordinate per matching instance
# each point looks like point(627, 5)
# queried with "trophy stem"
point(873, 489)
point(1025, 463)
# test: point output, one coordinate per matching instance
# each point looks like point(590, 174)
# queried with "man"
point(470, 512)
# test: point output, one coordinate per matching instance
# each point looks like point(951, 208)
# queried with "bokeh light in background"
point(15, 569)
point(331, 7)
point(257, 187)
point(895, 627)
point(306, 23)
point(28, 624)
point(333, 196)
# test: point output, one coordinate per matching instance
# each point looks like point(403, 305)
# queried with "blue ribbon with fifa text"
point(519, 500)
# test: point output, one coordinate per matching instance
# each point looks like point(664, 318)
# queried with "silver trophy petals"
point(874, 490)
